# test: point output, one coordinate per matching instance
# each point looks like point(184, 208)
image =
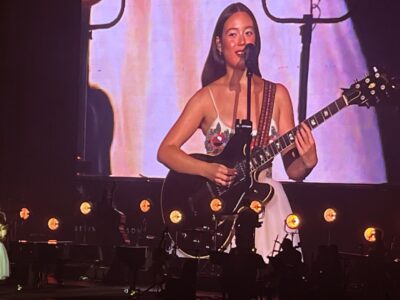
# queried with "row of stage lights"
point(86, 208)
point(293, 221)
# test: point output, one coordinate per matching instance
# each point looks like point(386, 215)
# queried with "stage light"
point(52, 242)
point(145, 205)
point(292, 221)
point(256, 206)
point(371, 233)
point(24, 213)
point(86, 207)
point(330, 215)
point(175, 216)
point(216, 205)
point(53, 224)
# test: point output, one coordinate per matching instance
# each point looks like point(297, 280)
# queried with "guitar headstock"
point(371, 90)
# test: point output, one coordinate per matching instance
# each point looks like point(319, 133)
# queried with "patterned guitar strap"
point(266, 114)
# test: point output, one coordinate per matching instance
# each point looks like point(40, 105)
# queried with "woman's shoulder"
point(200, 100)
point(281, 90)
point(280, 87)
point(201, 95)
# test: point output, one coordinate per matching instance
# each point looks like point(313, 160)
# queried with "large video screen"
point(144, 69)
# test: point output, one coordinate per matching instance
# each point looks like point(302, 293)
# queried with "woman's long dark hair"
point(214, 67)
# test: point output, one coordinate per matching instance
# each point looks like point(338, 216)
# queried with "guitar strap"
point(266, 114)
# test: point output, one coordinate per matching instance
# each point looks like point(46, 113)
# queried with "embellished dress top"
point(219, 134)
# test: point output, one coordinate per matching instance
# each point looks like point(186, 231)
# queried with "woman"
point(221, 101)
point(4, 263)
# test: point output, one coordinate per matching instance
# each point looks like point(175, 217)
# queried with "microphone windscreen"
point(250, 58)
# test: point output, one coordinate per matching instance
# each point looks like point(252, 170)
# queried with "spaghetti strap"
point(213, 101)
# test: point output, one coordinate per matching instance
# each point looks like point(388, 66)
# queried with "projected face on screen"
point(145, 68)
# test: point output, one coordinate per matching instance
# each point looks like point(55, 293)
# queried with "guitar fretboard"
point(263, 156)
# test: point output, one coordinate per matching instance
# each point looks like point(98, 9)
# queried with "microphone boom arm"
point(301, 20)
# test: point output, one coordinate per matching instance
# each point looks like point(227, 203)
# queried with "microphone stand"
point(308, 21)
point(244, 128)
point(249, 124)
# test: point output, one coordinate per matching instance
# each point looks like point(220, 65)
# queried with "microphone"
point(250, 58)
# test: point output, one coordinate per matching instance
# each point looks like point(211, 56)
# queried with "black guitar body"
point(202, 229)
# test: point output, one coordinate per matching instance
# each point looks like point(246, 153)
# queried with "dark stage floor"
point(89, 290)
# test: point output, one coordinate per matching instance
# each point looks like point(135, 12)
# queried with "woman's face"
point(238, 31)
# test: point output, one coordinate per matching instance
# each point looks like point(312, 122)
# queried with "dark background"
point(39, 92)
point(39, 103)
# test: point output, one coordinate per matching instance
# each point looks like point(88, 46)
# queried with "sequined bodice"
point(219, 134)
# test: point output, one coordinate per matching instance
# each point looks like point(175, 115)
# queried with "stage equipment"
point(24, 213)
point(330, 215)
point(34, 260)
point(53, 224)
point(127, 261)
point(292, 222)
point(241, 265)
point(216, 204)
point(308, 21)
point(86, 207)
point(371, 233)
point(175, 216)
point(256, 206)
point(145, 205)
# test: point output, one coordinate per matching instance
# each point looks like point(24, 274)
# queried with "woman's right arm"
point(171, 154)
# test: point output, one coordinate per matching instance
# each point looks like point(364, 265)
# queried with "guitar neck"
point(264, 156)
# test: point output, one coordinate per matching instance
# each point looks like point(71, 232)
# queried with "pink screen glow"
point(149, 64)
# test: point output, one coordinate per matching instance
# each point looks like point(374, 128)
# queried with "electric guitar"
point(200, 214)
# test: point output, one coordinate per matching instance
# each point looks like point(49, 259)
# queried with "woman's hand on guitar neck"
point(305, 144)
point(219, 174)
